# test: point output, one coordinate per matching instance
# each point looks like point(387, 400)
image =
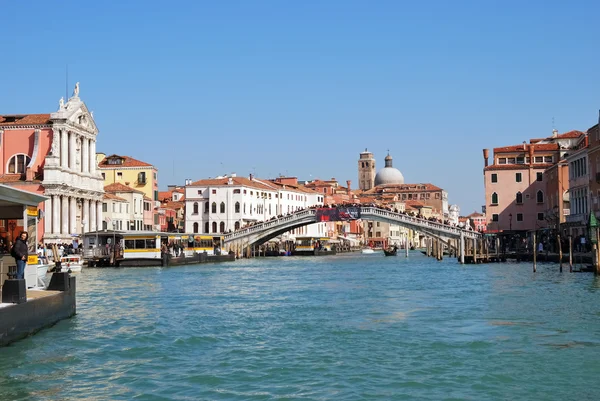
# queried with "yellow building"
point(126, 170)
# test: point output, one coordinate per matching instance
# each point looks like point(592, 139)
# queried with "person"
point(19, 252)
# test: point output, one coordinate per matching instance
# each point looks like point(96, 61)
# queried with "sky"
point(201, 89)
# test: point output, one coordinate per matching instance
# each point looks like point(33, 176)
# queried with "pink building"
point(515, 182)
point(150, 218)
point(478, 221)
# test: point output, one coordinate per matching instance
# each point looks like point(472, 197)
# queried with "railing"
point(271, 223)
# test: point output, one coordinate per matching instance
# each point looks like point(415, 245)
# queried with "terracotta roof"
point(114, 197)
point(128, 161)
point(475, 214)
point(172, 205)
point(162, 195)
point(517, 166)
point(571, 134)
point(147, 198)
point(27, 119)
point(519, 148)
point(118, 187)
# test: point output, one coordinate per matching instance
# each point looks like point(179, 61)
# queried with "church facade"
point(55, 155)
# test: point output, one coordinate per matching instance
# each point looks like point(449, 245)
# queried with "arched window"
point(195, 228)
point(244, 207)
point(494, 198)
point(206, 227)
point(222, 227)
point(17, 164)
point(251, 209)
point(214, 226)
point(237, 207)
point(222, 207)
point(195, 207)
point(214, 207)
point(237, 225)
point(206, 207)
point(540, 197)
point(519, 198)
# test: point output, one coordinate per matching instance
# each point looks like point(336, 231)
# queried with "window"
point(244, 207)
point(214, 208)
point(518, 177)
point(206, 207)
point(154, 175)
point(519, 198)
point(103, 176)
point(502, 160)
point(195, 228)
point(539, 159)
point(494, 198)
point(520, 159)
point(237, 207)
point(540, 176)
point(222, 208)
point(540, 216)
point(437, 195)
point(548, 159)
point(105, 207)
point(214, 191)
point(214, 227)
point(119, 176)
point(540, 197)
point(236, 191)
point(222, 227)
point(206, 227)
point(142, 178)
point(114, 208)
point(494, 217)
point(17, 164)
point(511, 160)
point(519, 216)
point(104, 225)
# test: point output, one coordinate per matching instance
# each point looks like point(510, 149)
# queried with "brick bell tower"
point(366, 171)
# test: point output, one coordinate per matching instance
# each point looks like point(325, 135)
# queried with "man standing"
point(19, 252)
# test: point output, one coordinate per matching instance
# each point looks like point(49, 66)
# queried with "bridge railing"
point(270, 223)
point(415, 221)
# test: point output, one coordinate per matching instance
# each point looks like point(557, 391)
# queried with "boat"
point(313, 246)
point(367, 251)
point(71, 263)
point(391, 251)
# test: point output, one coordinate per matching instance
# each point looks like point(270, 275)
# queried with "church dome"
point(389, 175)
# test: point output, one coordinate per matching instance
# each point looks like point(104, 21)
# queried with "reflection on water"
point(342, 327)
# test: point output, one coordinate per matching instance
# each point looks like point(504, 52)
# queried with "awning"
point(10, 196)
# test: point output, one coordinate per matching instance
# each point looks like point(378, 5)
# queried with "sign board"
point(32, 211)
point(338, 214)
point(32, 259)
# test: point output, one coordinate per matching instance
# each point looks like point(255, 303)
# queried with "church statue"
point(61, 103)
point(54, 148)
point(76, 90)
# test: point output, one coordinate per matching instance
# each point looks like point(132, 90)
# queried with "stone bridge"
point(264, 231)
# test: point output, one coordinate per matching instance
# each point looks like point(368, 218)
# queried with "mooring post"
point(560, 255)
point(597, 254)
point(570, 254)
point(474, 250)
point(462, 248)
point(534, 253)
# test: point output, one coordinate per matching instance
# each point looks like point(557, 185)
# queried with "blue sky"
point(201, 89)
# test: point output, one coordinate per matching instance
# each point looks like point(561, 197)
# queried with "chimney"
point(586, 141)
point(486, 155)
point(233, 174)
point(555, 133)
point(530, 153)
point(348, 185)
point(524, 145)
point(251, 177)
point(29, 174)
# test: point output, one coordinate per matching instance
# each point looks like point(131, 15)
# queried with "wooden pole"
point(570, 253)
point(597, 245)
point(474, 250)
point(462, 248)
point(534, 253)
point(560, 255)
point(406, 245)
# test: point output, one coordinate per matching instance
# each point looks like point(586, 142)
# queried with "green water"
point(348, 327)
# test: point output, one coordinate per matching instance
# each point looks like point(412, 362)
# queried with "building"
point(477, 221)
point(579, 188)
point(366, 171)
point(139, 175)
point(54, 154)
point(171, 216)
point(133, 210)
point(116, 212)
point(557, 193)
point(515, 184)
point(224, 204)
point(594, 167)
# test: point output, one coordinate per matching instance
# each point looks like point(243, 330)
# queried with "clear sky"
point(300, 88)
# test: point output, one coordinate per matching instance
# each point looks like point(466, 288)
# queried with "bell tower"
point(366, 171)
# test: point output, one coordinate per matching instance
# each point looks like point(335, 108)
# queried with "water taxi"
point(367, 251)
point(313, 246)
point(71, 263)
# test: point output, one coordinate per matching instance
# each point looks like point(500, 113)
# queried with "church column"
point(64, 144)
point(85, 215)
point(72, 215)
point(64, 218)
point(93, 217)
point(48, 216)
point(72, 151)
point(55, 214)
point(92, 156)
point(99, 214)
point(85, 155)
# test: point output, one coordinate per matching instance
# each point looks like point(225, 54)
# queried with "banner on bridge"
point(338, 214)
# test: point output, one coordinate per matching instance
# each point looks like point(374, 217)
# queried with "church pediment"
point(76, 113)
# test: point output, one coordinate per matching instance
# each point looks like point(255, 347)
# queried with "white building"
point(71, 179)
point(128, 215)
point(225, 204)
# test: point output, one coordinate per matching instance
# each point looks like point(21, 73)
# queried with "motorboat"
point(367, 251)
point(72, 263)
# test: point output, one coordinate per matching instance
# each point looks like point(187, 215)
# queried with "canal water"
point(346, 327)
